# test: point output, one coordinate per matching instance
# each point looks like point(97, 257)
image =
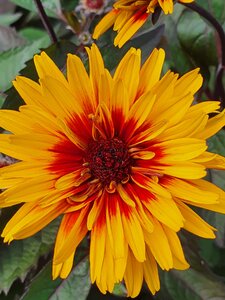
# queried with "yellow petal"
point(191, 81)
point(130, 28)
point(128, 71)
point(46, 67)
point(98, 239)
point(194, 223)
point(159, 245)
point(179, 260)
point(213, 126)
point(151, 275)
point(106, 279)
point(71, 232)
point(114, 226)
point(151, 70)
point(166, 211)
point(133, 232)
point(185, 170)
point(105, 23)
point(31, 218)
point(79, 83)
point(133, 276)
point(63, 269)
point(96, 68)
point(189, 191)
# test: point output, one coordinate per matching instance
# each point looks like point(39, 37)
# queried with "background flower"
point(128, 16)
point(120, 157)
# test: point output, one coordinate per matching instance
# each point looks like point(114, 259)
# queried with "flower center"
point(109, 161)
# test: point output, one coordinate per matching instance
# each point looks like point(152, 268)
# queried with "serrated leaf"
point(57, 52)
point(9, 38)
point(191, 284)
point(76, 286)
point(18, 258)
point(12, 61)
point(52, 7)
point(8, 18)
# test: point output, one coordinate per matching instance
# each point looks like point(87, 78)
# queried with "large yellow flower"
point(120, 157)
point(129, 15)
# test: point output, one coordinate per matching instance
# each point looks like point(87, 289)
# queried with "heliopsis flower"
point(127, 16)
point(120, 157)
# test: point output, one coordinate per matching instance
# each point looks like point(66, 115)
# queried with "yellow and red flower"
point(120, 157)
point(127, 16)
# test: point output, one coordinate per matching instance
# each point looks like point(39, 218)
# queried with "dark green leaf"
point(18, 258)
point(76, 286)
point(217, 145)
point(197, 37)
point(191, 284)
point(177, 59)
point(215, 7)
point(146, 41)
point(2, 98)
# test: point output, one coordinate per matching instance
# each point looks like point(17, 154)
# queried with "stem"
point(219, 89)
point(45, 21)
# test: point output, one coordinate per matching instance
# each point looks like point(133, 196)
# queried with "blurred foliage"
point(190, 41)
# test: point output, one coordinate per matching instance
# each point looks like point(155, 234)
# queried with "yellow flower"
point(120, 157)
point(128, 16)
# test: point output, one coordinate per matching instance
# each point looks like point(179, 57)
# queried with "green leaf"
point(76, 286)
point(197, 37)
point(191, 284)
point(52, 7)
point(146, 41)
point(8, 18)
point(58, 52)
point(215, 7)
point(9, 38)
point(69, 5)
point(217, 145)
point(18, 258)
point(212, 255)
point(177, 59)
point(12, 61)
point(2, 98)
point(32, 34)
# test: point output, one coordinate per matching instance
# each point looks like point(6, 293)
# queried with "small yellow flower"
point(128, 16)
point(120, 157)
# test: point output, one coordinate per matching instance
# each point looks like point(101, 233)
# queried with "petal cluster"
point(141, 130)
point(127, 17)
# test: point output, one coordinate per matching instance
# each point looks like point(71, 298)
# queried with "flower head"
point(120, 157)
point(128, 16)
point(87, 7)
